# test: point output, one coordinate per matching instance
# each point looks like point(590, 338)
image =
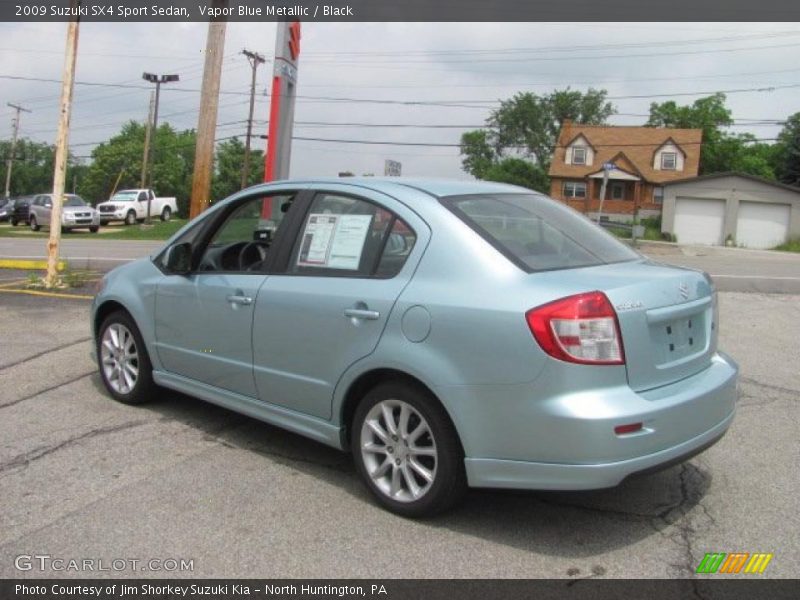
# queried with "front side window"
point(350, 237)
point(242, 243)
point(669, 161)
point(579, 155)
point(536, 233)
point(574, 189)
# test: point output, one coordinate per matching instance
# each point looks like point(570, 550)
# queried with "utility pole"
point(255, 59)
point(62, 150)
point(10, 160)
point(158, 80)
point(207, 120)
point(146, 156)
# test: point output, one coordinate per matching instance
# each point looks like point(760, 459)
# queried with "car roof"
point(434, 187)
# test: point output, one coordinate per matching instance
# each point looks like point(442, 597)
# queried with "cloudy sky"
point(458, 71)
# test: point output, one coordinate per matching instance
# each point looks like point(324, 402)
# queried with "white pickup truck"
point(130, 206)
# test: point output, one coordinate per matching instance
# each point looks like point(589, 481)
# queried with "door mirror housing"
point(178, 259)
point(48, 205)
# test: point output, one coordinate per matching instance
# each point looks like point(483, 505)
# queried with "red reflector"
point(630, 428)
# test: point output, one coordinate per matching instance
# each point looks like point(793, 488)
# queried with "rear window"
point(537, 233)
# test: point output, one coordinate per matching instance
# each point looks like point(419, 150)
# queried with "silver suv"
point(75, 214)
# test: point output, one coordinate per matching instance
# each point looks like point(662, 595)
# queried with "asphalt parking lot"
point(83, 477)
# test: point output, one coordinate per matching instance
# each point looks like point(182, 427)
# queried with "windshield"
point(125, 196)
point(74, 201)
point(537, 233)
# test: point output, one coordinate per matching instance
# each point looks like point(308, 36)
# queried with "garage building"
point(732, 208)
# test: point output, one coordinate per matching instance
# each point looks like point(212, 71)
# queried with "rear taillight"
point(580, 329)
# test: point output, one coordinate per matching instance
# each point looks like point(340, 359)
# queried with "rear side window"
point(350, 237)
point(537, 233)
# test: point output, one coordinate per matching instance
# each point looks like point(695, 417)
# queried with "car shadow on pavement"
point(565, 524)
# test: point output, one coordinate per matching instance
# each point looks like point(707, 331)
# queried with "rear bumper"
point(558, 433)
point(513, 474)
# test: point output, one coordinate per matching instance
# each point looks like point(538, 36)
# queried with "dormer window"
point(579, 155)
point(669, 161)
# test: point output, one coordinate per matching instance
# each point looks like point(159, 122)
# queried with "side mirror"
point(178, 259)
point(48, 205)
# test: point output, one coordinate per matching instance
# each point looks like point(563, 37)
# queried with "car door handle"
point(362, 313)
point(243, 300)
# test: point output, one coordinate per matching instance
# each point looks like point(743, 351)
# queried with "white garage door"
point(699, 221)
point(762, 225)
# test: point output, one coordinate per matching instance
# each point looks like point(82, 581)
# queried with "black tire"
point(14, 222)
point(130, 218)
point(33, 224)
point(144, 389)
point(166, 214)
point(449, 484)
point(94, 229)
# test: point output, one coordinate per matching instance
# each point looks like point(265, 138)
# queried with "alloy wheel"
point(398, 450)
point(119, 358)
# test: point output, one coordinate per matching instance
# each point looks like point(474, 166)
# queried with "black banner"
point(400, 10)
point(397, 589)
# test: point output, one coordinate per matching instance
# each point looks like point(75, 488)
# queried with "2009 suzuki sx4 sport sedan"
point(448, 334)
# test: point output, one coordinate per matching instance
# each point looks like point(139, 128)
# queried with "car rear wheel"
point(125, 366)
point(14, 222)
point(166, 214)
point(407, 450)
point(130, 218)
point(34, 225)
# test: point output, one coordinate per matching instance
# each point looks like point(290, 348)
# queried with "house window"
point(658, 194)
point(579, 155)
point(669, 161)
point(574, 189)
point(618, 191)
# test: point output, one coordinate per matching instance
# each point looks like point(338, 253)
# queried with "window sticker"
point(348, 242)
point(333, 241)
point(316, 242)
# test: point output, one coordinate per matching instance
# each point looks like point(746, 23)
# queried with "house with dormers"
point(639, 160)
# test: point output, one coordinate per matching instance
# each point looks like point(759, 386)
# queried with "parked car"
point(21, 209)
point(75, 213)
point(448, 334)
point(130, 206)
point(6, 209)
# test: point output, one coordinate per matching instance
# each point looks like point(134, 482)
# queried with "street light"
point(158, 80)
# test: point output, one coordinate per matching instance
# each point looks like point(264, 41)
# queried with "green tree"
point(518, 171)
point(117, 163)
point(527, 126)
point(721, 151)
point(786, 158)
point(228, 162)
point(32, 172)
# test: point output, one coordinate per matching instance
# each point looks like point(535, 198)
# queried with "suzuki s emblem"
point(683, 288)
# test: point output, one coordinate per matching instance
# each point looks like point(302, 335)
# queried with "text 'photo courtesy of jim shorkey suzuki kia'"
point(447, 334)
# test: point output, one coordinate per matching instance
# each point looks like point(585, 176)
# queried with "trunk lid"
point(667, 316)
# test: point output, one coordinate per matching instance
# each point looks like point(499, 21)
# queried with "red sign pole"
point(281, 113)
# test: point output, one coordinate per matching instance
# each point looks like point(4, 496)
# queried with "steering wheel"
point(252, 256)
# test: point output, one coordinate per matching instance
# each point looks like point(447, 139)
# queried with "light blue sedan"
point(448, 334)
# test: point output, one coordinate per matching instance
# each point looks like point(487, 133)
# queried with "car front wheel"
point(130, 218)
point(124, 363)
point(407, 450)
